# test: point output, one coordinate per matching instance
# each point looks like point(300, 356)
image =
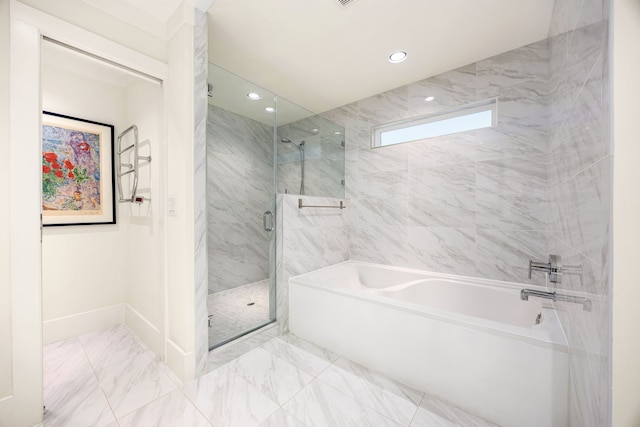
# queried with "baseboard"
point(144, 329)
point(67, 327)
point(182, 363)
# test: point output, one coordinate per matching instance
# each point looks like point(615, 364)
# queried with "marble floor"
point(233, 313)
point(110, 379)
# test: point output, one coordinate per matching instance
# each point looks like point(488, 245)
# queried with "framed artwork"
point(77, 171)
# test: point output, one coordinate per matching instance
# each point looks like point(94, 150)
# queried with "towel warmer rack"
point(130, 168)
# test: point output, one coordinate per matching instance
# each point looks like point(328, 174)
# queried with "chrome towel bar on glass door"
point(301, 205)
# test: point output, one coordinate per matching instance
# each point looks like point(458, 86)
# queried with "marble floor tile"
point(64, 361)
point(436, 413)
point(231, 313)
point(275, 378)
point(78, 403)
point(231, 351)
point(227, 400)
point(282, 419)
point(111, 346)
point(172, 409)
point(133, 383)
point(319, 405)
point(391, 398)
point(300, 353)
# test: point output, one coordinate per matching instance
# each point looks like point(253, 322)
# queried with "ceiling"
point(321, 55)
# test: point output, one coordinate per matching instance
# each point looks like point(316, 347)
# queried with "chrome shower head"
point(288, 141)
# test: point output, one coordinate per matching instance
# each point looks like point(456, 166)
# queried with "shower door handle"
point(267, 217)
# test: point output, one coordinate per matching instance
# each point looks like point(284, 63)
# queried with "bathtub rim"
point(548, 334)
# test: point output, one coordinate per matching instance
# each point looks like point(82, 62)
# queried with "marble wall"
point(239, 190)
point(201, 338)
point(579, 211)
point(307, 239)
point(471, 204)
point(323, 157)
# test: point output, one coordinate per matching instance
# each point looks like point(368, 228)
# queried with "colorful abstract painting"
point(77, 180)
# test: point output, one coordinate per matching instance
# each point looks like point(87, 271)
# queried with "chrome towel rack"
point(130, 168)
point(301, 205)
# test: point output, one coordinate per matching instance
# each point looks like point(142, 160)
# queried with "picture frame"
point(78, 182)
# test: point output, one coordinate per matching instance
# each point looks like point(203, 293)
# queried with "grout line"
point(424, 395)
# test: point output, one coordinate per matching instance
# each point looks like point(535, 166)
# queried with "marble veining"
point(266, 380)
point(396, 401)
point(200, 62)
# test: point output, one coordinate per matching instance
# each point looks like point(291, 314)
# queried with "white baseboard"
point(182, 363)
point(67, 327)
point(144, 329)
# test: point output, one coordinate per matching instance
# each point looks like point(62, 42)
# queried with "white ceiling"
point(321, 55)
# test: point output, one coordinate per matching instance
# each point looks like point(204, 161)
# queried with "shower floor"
point(232, 314)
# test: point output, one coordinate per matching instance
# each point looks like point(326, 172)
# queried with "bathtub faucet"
point(554, 296)
point(554, 268)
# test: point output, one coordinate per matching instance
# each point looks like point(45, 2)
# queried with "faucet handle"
point(553, 268)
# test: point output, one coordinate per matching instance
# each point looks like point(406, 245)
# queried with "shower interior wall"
point(323, 161)
point(239, 191)
point(484, 203)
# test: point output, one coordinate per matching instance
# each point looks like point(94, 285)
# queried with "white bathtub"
point(472, 342)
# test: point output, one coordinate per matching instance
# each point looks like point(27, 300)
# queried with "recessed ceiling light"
point(338, 133)
point(315, 130)
point(253, 96)
point(269, 109)
point(396, 57)
point(429, 98)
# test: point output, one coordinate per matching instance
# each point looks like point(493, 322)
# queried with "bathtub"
point(469, 341)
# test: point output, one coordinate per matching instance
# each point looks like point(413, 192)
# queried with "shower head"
point(288, 141)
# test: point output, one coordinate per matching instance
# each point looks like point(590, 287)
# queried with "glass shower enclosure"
point(258, 144)
point(240, 206)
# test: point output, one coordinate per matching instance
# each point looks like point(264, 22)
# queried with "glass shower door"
point(240, 206)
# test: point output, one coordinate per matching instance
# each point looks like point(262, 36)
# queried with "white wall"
point(84, 267)
point(92, 19)
point(5, 225)
point(145, 237)
point(180, 224)
point(626, 211)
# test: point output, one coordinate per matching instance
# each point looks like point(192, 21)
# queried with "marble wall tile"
point(583, 209)
point(505, 255)
point(200, 64)
point(239, 189)
point(512, 193)
point(450, 89)
point(580, 196)
point(386, 107)
point(383, 244)
point(442, 249)
point(527, 64)
point(311, 238)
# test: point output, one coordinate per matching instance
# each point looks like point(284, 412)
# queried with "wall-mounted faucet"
point(554, 268)
point(554, 296)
